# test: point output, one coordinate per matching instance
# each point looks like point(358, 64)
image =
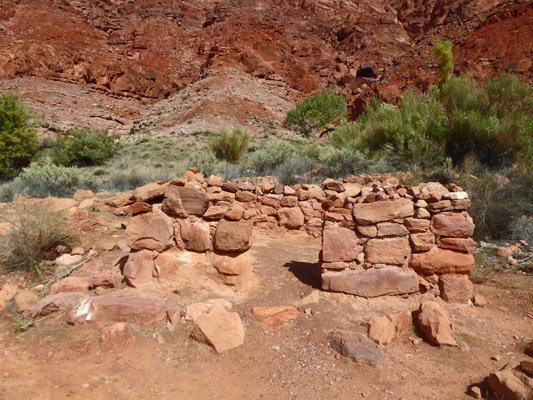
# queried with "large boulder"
point(458, 225)
point(356, 347)
point(371, 282)
point(382, 211)
point(339, 243)
point(392, 251)
point(435, 325)
point(219, 329)
point(233, 236)
point(184, 201)
point(150, 231)
point(133, 308)
point(442, 262)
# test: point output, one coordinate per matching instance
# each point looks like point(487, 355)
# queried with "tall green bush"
point(18, 140)
point(80, 147)
point(230, 146)
point(320, 111)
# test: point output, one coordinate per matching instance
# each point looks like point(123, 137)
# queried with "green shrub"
point(81, 147)
point(230, 146)
point(350, 134)
point(270, 156)
point(498, 207)
point(131, 177)
point(338, 163)
point(34, 233)
point(317, 112)
point(495, 123)
point(444, 50)
point(205, 160)
point(294, 169)
point(42, 180)
point(18, 140)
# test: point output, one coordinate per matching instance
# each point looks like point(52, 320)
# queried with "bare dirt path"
point(57, 361)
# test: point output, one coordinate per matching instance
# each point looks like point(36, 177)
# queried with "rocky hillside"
point(173, 65)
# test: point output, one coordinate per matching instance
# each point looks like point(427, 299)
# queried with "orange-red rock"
point(133, 308)
point(371, 282)
point(150, 231)
point(457, 244)
point(233, 236)
point(196, 235)
point(291, 217)
point(275, 316)
point(422, 241)
point(435, 325)
point(117, 338)
point(456, 288)
point(382, 211)
point(339, 243)
point(138, 270)
point(458, 225)
point(442, 262)
point(392, 251)
point(184, 201)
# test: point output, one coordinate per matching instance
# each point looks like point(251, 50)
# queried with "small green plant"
point(34, 234)
point(230, 146)
point(444, 51)
point(323, 110)
point(18, 140)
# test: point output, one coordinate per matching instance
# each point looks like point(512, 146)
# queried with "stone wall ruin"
point(378, 237)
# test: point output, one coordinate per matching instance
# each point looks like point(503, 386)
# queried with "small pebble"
point(85, 385)
point(50, 354)
point(496, 358)
point(6, 375)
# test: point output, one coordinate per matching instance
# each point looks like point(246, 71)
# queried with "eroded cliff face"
point(148, 51)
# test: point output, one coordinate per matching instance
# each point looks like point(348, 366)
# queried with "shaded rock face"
point(356, 347)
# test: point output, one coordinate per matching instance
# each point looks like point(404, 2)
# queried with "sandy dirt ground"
point(56, 361)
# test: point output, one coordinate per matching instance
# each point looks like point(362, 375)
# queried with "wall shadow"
point(306, 272)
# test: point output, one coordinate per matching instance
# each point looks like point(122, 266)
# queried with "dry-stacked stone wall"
point(379, 237)
point(416, 238)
